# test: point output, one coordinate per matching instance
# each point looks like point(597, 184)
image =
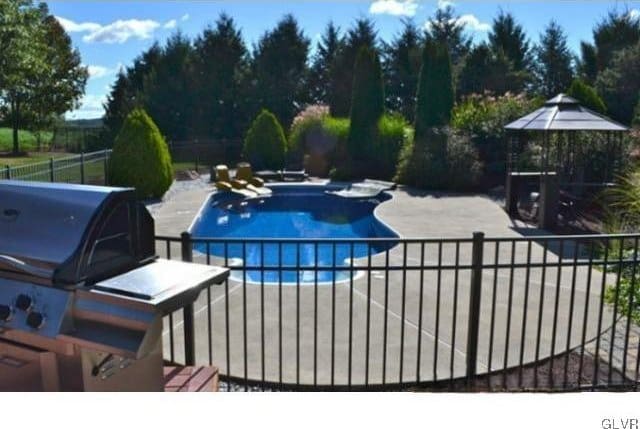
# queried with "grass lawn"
point(27, 140)
point(31, 158)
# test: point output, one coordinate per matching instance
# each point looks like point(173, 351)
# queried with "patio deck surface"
point(314, 353)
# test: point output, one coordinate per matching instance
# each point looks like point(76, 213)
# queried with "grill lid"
point(67, 233)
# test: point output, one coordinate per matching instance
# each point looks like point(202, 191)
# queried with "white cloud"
point(473, 23)
point(394, 7)
point(98, 71)
point(469, 21)
point(122, 30)
point(116, 32)
point(634, 13)
point(185, 17)
point(75, 27)
point(91, 106)
point(170, 24)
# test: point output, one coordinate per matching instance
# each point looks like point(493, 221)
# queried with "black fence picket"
point(546, 313)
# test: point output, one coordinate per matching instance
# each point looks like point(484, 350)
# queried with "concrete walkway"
point(382, 326)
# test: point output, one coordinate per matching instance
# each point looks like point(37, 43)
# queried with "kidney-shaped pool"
point(305, 212)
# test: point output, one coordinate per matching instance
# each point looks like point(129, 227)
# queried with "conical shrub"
point(265, 144)
point(140, 157)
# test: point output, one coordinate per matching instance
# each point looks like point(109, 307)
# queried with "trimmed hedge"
point(265, 145)
point(140, 157)
point(458, 169)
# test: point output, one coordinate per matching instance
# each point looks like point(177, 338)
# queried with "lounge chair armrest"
point(256, 181)
point(239, 183)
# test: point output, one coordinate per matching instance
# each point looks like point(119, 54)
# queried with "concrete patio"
point(298, 344)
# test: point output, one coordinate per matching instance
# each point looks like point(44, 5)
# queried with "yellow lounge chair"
point(255, 184)
point(225, 183)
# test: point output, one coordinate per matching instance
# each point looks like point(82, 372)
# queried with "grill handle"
point(20, 266)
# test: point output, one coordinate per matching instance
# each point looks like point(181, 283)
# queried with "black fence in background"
point(85, 168)
point(77, 139)
point(200, 155)
point(516, 313)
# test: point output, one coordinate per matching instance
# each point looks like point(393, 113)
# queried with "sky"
point(110, 34)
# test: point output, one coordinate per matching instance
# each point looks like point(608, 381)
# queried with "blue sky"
point(111, 34)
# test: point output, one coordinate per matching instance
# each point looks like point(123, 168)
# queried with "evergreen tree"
point(587, 96)
point(140, 157)
point(445, 27)
point(127, 92)
point(265, 144)
point(362, 34)
point(118, 105)
point(401, 69)
point(168, 93)
point(486, 71)
point(324, 62)
point(367, 105)
point(219, 67)
point(619, 85)
point(280, 70)
point(619, 30)
point(435, 89)
point(588, 63)
point(508, 37)
point(425, 163)
point(554, 70)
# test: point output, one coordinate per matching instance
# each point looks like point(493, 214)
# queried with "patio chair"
point(256, 184)
point(224, 182)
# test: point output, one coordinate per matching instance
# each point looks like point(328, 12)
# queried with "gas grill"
point(82, 293)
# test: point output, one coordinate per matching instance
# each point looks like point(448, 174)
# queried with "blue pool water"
point(300, 211)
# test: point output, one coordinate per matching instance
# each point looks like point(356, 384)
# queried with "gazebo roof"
point(563, 113)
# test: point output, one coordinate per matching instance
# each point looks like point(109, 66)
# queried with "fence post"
point(82, 167)
point(105, 155)
point(188, 312)
point(52, 177)
point(475, 294)
point(7, 172)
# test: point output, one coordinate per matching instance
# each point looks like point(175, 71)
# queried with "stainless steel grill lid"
point(70, 234)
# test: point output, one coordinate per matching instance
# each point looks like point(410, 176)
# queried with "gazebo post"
point(548, 201)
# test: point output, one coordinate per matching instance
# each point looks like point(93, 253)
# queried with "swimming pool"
point(291, 212)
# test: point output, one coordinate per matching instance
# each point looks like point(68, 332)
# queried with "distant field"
point(27, 140)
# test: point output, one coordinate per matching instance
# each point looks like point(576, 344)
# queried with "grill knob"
point(35, 320)
point(24, 302)
point(5, 313)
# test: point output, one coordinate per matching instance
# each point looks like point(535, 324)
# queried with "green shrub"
point(393, 133)
point(483, 118)
point(316, 136)
point(587, 96)
point(140, 157)
point(265, 144)
point(459, 169)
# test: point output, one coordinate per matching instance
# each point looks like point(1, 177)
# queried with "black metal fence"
point(200, 155)
point(89, 168)
point(515, 313)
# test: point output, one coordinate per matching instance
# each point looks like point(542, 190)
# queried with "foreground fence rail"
point(479, 313)
point(85, 168)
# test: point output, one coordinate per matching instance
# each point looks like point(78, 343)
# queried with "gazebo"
point(558, 123)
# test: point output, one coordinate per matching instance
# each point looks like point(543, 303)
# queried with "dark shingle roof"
point(563, 113)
